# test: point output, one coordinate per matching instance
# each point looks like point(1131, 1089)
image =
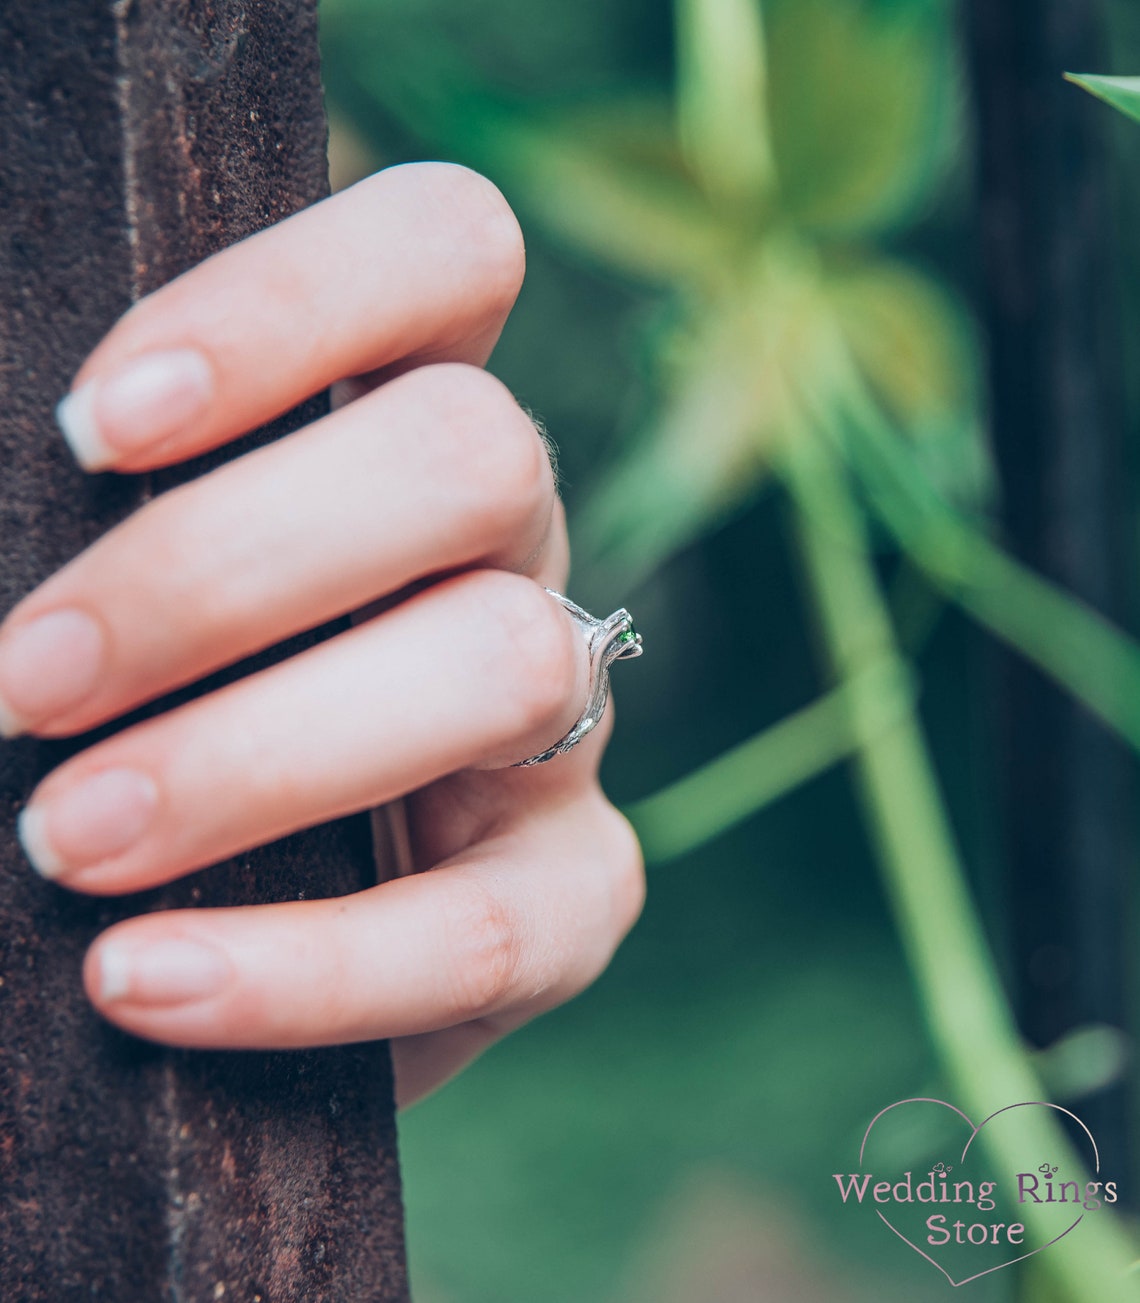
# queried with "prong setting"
point(609, 640)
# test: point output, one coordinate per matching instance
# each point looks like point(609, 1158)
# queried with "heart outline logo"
point(974, 1130)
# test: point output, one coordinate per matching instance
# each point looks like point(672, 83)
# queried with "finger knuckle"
point(626, 870)
point(488, 224)
point(499, 465)
point(536, 647)
point(485, 949)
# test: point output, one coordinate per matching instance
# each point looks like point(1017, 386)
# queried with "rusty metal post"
point(137, 137)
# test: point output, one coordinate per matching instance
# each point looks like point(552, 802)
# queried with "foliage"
point(1122, 93)
point(763, 197)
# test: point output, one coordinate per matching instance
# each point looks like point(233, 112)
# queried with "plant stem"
point(969, 1019)
point(727, 790)
point(1075, 645)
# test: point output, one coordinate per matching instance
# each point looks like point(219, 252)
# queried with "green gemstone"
point(630, 635)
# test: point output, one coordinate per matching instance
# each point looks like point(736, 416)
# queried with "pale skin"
point(526, 880)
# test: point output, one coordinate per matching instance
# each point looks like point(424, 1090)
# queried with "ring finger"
point(481, 669)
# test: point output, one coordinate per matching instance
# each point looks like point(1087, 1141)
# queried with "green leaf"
point(1122, 93)
point(1084, 1060)
point(722, 96)
point(731, 385)
point(695, 463)
point(917, 349)
point(611, 182)
point(1067, 639)
point(607, 178)
point(862, 110)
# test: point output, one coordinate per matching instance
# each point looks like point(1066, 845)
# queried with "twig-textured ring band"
point(609, 640)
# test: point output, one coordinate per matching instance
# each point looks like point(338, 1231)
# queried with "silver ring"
point(609, 640)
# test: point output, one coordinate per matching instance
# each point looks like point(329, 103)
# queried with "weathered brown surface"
point(135, 139)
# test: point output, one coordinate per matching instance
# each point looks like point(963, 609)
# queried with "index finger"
point(420, 262)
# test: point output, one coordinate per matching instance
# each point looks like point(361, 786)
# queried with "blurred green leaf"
point(729, 380)
point(915, 347)
point(612, 182)
point(753, 373)
point(907, 337)
point(722, 106)
point(1084, 1060)
point(1071, 642)
point(684, 196)
point(862, 111)
point(1122, 93)
point(700, 458)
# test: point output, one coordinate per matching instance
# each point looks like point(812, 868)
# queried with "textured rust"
point(136, 139)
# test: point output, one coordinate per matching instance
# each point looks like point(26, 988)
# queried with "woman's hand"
point(401, 286)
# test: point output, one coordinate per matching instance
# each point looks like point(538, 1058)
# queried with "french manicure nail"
point(150, 399)
point(88, 822)
point(11, 725)
point(36, 843)
point(163, 972)
point(47, 666)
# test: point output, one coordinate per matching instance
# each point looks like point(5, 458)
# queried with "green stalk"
point(702, 805)
point(722, 96)
point(1075, 645)
point(958, 985)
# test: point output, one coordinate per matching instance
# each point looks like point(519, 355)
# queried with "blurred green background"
point(747, 324)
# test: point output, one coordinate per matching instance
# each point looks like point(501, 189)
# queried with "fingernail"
point(163, 972)
point(47, 666)
point(11, 725)
point(148, 400)
point(87, 822)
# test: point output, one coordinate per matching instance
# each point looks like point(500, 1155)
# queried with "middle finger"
point(437, 470)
